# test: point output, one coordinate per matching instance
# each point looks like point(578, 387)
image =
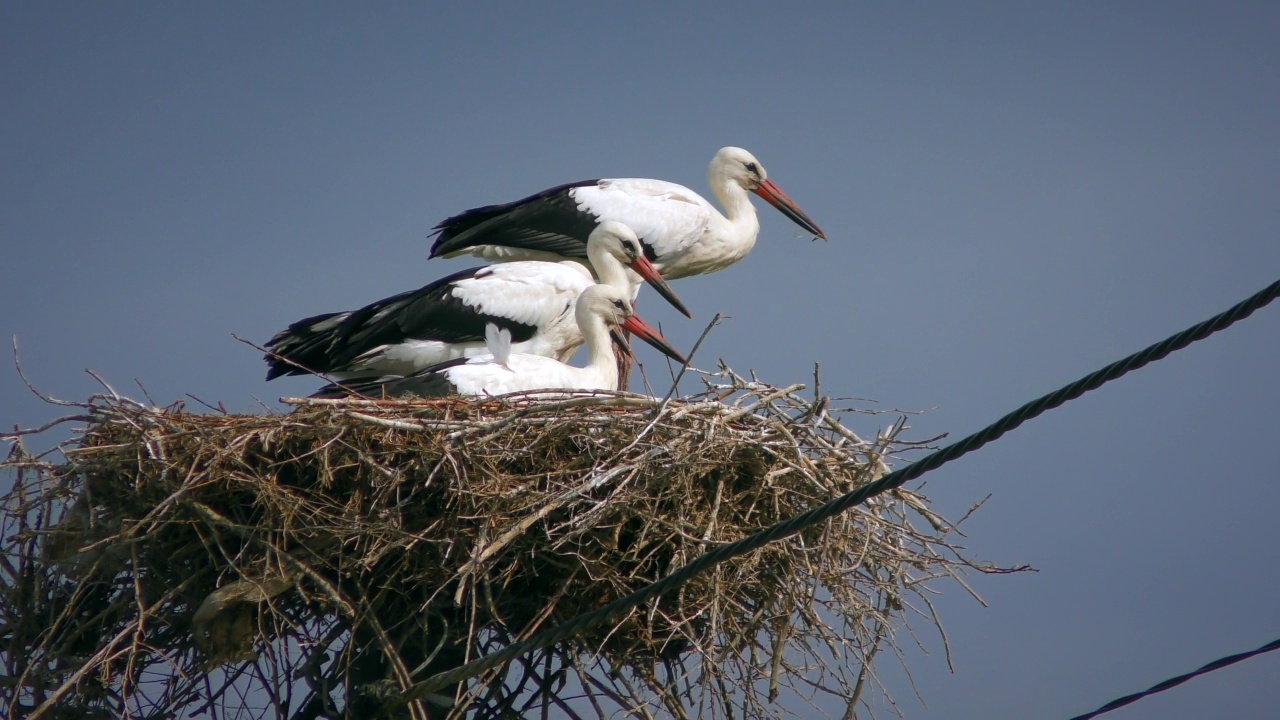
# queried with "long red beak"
point(645, 332)
point(775, 197)
point(646, 270)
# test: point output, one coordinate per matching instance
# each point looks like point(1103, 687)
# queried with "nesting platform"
point(314, 563)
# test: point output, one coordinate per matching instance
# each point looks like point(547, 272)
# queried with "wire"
point(892, 480)
point(1176, 681)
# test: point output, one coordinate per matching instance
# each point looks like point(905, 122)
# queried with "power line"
point(1175, 681)
point(830, 509)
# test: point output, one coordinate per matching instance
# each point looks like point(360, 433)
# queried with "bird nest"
point(315, 563)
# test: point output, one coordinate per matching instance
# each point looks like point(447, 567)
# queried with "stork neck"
point(600, 360)
point(609, 270)
point(738, 210)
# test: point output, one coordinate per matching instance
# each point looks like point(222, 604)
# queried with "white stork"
point(599, 308)
point(683, 234)
point(533, 301)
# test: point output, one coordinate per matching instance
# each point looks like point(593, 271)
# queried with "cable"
point(1176, 681)
point(892, 480)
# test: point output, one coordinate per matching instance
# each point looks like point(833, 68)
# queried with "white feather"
point(669, 217)
point(498, 341)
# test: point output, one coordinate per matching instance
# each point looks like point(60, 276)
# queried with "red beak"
point(775, 197)
point(645, 332)
point(646, 270)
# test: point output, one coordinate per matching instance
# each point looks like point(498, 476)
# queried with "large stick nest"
point(316, 563)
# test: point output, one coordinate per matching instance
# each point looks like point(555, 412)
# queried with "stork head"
point(737, 166)
point(618, 240)
point(613, 305)
point(606, 302)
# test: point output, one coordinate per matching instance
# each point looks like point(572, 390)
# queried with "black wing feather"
point(428, 382)
point(549, 221)
point(305, 342)
point(428, 313)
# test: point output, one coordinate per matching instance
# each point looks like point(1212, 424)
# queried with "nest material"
point(315, 563)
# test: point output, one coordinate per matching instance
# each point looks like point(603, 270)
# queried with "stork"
point(598, 308)
point(683, 234)
point(532, 300)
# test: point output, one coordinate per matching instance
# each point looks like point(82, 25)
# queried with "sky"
point(1015, 194)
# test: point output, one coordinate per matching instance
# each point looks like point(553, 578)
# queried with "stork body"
point(598, 308)
point(533, 301)
point(683, 234)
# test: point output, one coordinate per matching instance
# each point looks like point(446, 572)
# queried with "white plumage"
point(498, 342)
point(685, 234)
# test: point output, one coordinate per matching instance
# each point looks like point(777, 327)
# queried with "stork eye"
point(753, 168)
point(618, 304)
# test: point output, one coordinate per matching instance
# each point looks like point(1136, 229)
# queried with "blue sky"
point(1015, 195)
